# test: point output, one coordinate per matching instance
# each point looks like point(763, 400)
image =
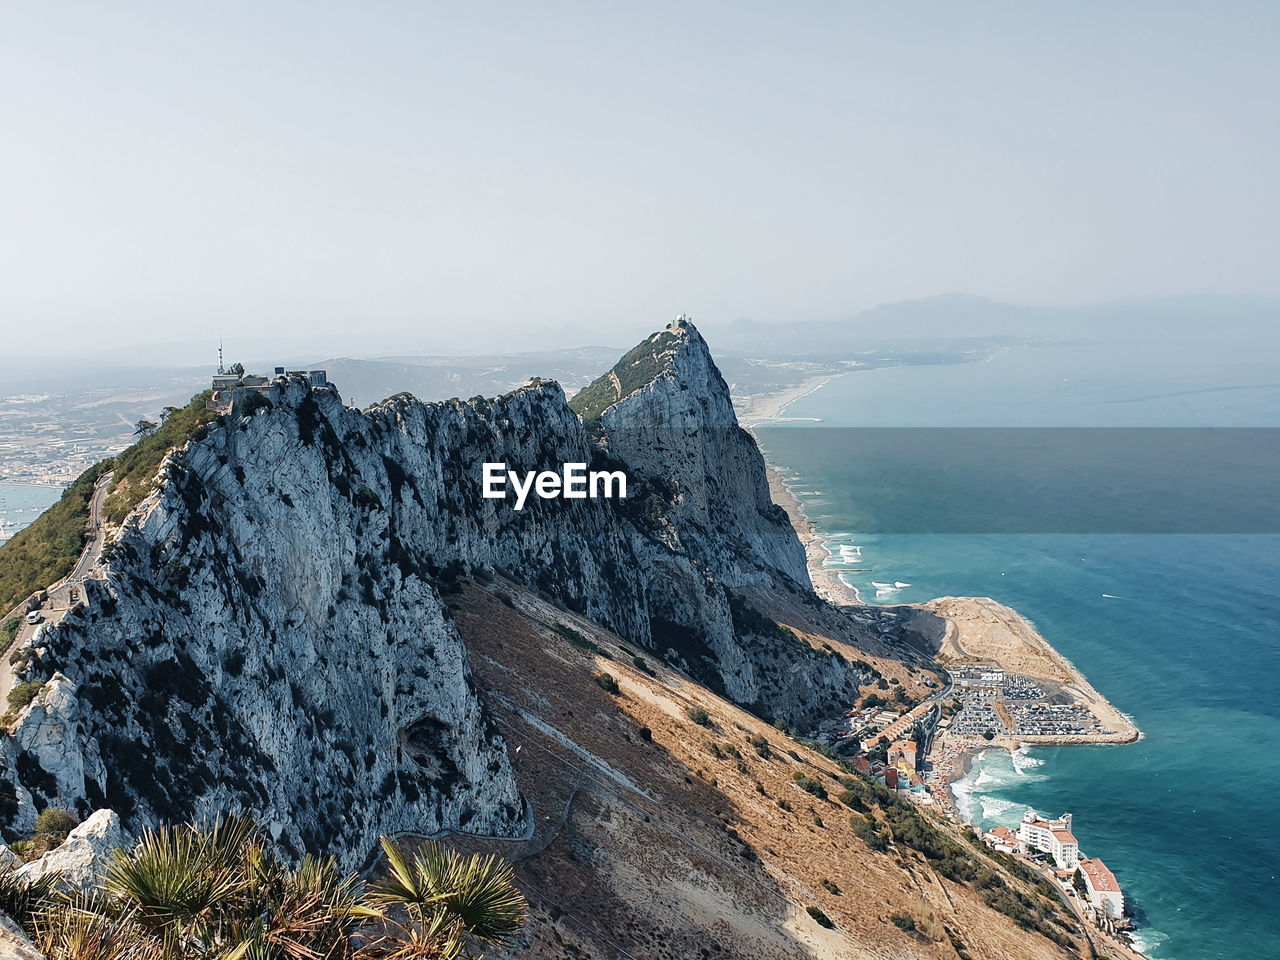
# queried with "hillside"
point(311, 612)
point(659, 837)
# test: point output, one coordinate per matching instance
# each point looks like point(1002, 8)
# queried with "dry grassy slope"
point(647, 845)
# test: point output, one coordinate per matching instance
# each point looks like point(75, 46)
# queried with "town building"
point(1053, 837)
point(1002, 839)
point(902, 754)
point(1104, 892)
point(978, 675)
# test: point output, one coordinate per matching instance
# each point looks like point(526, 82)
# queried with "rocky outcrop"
point(273, 633)
point(14, 944)
point(79, 860)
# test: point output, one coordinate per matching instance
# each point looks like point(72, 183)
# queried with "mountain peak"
point(654, 357)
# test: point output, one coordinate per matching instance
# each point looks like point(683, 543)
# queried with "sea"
point(1175, 620)
point(20, 503)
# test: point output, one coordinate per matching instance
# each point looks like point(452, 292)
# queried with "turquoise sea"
point(1179, 630)
point(20, 503)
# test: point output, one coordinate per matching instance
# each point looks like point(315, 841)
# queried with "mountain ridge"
point(294, 523)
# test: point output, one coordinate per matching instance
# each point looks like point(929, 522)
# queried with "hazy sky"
point(432, 177)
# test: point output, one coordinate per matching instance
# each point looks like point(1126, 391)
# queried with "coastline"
point(768, 408)
point(760, 408)
point(980, 629)
point(961, 628)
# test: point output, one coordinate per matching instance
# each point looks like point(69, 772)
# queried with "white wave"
point(899, 584)
point(996, 808)
point(963, 790)
point(1023, 761)
point(1112, 596)
point(882, 586)
point(1146, 941)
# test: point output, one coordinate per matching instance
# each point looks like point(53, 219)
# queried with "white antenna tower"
point(221, 369)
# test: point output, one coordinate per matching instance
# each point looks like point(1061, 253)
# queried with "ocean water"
point(20, 503)
point(1179, 630)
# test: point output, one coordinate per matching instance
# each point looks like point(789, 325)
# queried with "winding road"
point(67, 592)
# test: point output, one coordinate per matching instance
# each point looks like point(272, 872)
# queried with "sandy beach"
point(758, 409)
point(768, 408)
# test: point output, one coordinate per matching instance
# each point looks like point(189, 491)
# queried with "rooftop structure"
point(1053, 837)
point(1002, 839)
point(1104, 892)
point(226, 381)
point(902, 754)
point(978, 675)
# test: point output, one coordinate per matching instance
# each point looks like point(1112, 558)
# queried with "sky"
point(377, 178)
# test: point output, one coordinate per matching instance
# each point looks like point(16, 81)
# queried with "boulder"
point(81, 857)
point(14, 944)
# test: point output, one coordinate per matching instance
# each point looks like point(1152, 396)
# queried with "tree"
point(237, 370)
point(168, 412)
point(144, 428)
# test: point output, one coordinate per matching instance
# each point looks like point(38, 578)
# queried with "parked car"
point(33, 616)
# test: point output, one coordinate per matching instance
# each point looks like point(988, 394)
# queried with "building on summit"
point(227, 380)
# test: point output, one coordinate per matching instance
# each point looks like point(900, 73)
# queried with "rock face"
point(273, 633)
point(80, 859)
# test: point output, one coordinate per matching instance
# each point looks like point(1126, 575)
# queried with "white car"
point(33, 617)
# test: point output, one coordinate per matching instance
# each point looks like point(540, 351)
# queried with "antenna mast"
point(221, 369)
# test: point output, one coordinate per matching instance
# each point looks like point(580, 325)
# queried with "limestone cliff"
point(272, 632)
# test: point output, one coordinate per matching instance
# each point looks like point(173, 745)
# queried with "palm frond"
point(20, 897)
point(79, 928)
point(478, 892)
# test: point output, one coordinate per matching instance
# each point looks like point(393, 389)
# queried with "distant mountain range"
point(955, 319)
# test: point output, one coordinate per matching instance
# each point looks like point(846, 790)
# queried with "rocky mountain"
point(318, 617)
point(272, 633)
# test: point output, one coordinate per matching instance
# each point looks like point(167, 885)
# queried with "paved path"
point(66, 593)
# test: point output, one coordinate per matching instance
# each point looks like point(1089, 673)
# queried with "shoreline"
point(827, 583)
point(768, 408)
point(52, 484)
point(962, 628)
point(763, 408)
point(989, 631)
point(981, 629)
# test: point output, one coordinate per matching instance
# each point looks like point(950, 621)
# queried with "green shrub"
point(23, 693)
point(606, 683)
point(55, 823)
point(698, 715)
point(810, 785)
point(636, 368)
point(904, 921)
point(47, 550)
point(579, 640)
point(760, 744)
point(136, 467)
